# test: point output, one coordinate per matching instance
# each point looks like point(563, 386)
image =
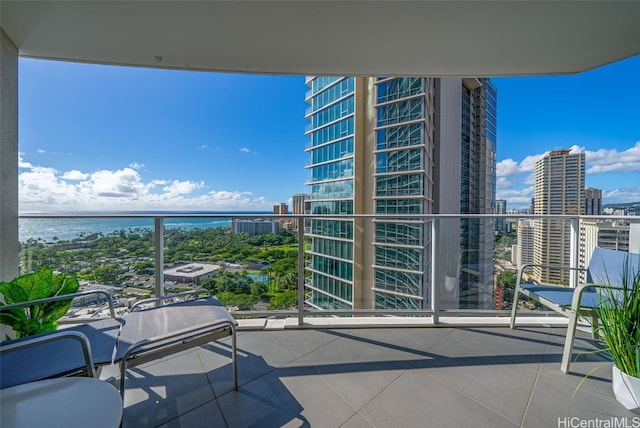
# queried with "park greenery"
point(123, 257)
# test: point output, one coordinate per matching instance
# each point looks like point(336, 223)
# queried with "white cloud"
point(137, 166)
point(604, 160)
point(41, 151)
point(41, 186)
point(124, 183)
point(244, 150)
point(43, 189)
point(22, 163)
point(629, 194)
point(507, 168)
point(182, 187)
point(74, 174)
point(204, 147)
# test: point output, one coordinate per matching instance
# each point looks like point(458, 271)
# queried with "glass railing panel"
point(111, 254)
point(373, 265)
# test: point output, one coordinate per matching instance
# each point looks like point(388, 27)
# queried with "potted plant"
point(38, 318)
point(619, 315)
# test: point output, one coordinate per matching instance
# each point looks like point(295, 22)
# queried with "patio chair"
point(161, 330)
point(55, 354)
point(605, 270)
point(140, 336)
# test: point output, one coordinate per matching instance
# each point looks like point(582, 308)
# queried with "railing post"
point(301, 271)
point(158, 245)
point(575, 242)
point(435, 263)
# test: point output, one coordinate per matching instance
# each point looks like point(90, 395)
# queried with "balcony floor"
point(384, 377)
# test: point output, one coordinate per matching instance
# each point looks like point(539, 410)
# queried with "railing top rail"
point(250, 215)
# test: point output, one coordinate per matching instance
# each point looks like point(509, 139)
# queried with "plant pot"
point(626, 389)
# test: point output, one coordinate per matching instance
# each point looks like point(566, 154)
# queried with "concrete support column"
point(8, 158)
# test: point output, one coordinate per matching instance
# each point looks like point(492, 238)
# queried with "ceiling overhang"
point(435, 38)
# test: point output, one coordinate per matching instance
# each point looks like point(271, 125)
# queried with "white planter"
point(626, 389)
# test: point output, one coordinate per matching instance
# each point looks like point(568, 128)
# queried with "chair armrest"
point(581, 288)
point(161, 299)
point(558, 267)
point(28, 303)
point(22, 344)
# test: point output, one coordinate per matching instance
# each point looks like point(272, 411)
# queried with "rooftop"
point(376, 377)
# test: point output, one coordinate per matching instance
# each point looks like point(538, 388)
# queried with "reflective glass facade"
point(404, 144)
point(393, 140)
point(331, 150)
point(477, 194)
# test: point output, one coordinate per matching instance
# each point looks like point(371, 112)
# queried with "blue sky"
point(118, 138)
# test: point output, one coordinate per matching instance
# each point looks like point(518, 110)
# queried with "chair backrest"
point(609, 266)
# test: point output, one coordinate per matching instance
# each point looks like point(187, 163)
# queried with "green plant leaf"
point(38, 285)
point(12, 292)
point(61, 285)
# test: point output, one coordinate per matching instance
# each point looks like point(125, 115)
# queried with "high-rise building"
point(392, 146)
point(525, 242)
point(281, 208)
point(592, 201)
point(301, 205)
point(559, 189)
point(500, 207)
point(613, 235)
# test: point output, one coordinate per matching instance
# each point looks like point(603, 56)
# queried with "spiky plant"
point(619, 315)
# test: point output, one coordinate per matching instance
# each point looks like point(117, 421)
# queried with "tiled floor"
point(394, 377)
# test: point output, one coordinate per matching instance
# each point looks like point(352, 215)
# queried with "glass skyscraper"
point(382, 146)
point(331, 131)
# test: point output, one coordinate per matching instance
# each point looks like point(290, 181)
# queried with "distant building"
point(592, 201)
point(255, 226)
point(500, 207)
point(524, 253)
point(281, 208)
point(301, 205)
point(510, 224)
point(559, 190)
point(192, 273)
point(613, 235)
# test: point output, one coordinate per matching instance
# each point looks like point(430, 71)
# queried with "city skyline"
point(118, 138)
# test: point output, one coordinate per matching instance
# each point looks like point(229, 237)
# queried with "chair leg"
point(568, 342)
point(234, 357)
point(514, 309)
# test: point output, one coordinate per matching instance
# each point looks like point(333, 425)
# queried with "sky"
point(94, 137)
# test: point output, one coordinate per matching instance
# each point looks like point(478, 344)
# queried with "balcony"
point(365, 367)
point(375, 377)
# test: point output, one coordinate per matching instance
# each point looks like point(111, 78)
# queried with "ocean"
point(52, 229)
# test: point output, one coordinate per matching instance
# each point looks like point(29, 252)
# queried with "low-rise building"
point(192, 273)
point(255, 226)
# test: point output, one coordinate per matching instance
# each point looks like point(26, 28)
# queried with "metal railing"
point(433, 221)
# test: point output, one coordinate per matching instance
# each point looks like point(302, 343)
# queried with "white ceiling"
point(452, 38)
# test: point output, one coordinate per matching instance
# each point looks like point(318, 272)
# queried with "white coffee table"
point(62, 402)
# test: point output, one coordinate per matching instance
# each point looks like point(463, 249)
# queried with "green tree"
point(259, 290)
point(209, 284)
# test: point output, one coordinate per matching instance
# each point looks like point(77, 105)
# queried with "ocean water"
point(66, 229)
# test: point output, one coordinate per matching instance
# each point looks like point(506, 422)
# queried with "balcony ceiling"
point(479, 38)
